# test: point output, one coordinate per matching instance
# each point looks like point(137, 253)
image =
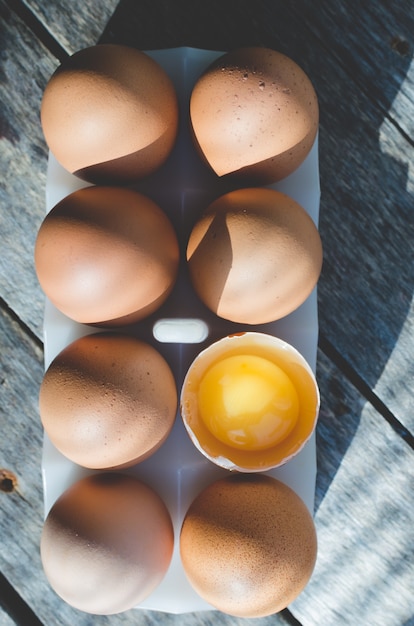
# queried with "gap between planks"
point(357, 381)
point(14, 605)
point(37, 27)
point(23, 327)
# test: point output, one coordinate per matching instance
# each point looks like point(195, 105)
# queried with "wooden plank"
point(24, 68)
point(366, 288)
point(373, 44)
point(365, 570)
point(74, 25)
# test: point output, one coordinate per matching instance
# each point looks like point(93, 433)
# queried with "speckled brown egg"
point(254, 255)
point(254, 113)
point(248, 545)
point(110, 113)
point(107, 543)
point(106, 255)
point(108, 400)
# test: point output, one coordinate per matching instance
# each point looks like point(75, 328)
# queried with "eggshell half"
point(284, 356)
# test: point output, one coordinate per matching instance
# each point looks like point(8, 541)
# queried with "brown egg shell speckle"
point(108, 401)
point(254, 115)
point(248, 545)
point(107, 543)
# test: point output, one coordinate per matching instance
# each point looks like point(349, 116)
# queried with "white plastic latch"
point(180, 330)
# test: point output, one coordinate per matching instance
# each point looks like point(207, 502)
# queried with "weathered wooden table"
point(360, 59)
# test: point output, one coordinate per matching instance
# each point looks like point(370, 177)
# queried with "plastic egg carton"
point(182, 327)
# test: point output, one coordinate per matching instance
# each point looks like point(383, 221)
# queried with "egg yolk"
point(248, 402)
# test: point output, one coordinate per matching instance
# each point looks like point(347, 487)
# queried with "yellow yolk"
point(248, 402)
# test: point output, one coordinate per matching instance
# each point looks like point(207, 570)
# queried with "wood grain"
point(365, 569)
point(23, 161)
point(373, 44)
point(75, 25)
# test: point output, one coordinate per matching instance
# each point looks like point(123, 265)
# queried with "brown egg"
point(110, 113)
point(248, 545)
point(108, 401)
point(254, 113)
point(254, 255)
point(106, 255)
point(107, 543)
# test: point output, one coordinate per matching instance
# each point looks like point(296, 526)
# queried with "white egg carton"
point(181, 328)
